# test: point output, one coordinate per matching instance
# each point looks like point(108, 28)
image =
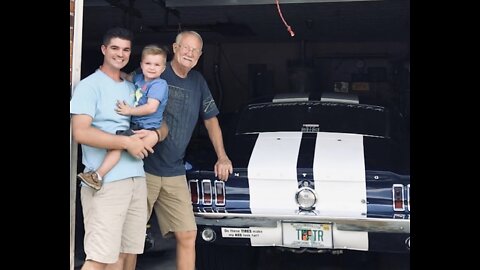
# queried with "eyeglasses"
point(185, 49)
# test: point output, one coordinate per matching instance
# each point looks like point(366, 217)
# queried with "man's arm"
point(153, 137)
point(162, 132)
point(223, 167)
point(85, 133)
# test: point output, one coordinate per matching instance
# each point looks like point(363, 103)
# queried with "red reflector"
point(193, 186)
point(398, 204)
point(207, 191)
point(219, 193)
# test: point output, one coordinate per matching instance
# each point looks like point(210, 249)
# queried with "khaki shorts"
point(114, 219)
point(170, 198)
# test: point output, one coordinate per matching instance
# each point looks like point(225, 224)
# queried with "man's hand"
point(223, 168)
point(137, 148)
point(149, 138)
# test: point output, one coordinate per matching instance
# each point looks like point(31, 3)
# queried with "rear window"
point(314, 116)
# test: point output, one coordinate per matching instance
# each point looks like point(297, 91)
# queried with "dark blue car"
point(322, 175)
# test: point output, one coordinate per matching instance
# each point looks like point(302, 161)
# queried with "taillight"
point(193, 186)
point(207, 191)
point(398, 197)
point(219, 193)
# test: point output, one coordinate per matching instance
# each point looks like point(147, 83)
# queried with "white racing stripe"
point(339, 174)
point(272, 172)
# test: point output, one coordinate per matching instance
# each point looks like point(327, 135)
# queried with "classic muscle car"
point(322, 175)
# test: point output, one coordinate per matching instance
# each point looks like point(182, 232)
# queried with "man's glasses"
point(185, 49)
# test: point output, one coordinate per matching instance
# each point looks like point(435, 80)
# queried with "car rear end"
point(317, 176)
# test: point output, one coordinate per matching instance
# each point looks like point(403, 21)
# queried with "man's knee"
point(186, 236)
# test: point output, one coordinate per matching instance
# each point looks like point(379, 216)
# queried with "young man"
point(151, 97)
point(189, 97)
point(114, 217)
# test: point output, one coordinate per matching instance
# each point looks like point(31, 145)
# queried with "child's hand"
point(123, 108)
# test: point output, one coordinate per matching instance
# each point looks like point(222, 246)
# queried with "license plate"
point(312, 235)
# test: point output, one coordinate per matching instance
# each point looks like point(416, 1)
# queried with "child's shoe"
point(91, 179)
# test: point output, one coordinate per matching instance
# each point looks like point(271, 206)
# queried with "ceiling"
point(220, 21)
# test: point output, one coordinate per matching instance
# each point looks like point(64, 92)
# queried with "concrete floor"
point(164, 260)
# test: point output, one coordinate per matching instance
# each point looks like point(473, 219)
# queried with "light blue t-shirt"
point(96, 95)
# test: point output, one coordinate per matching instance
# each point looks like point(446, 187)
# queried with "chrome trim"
point(315, 196)
point(342, 223)
point(408, 197)
point(234, 222)
point(206, 237)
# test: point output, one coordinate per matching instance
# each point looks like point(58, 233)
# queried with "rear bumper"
point(364, 234)
point(382, 225)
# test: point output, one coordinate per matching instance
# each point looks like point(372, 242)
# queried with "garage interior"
point(354, 46)
point(357, 46)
